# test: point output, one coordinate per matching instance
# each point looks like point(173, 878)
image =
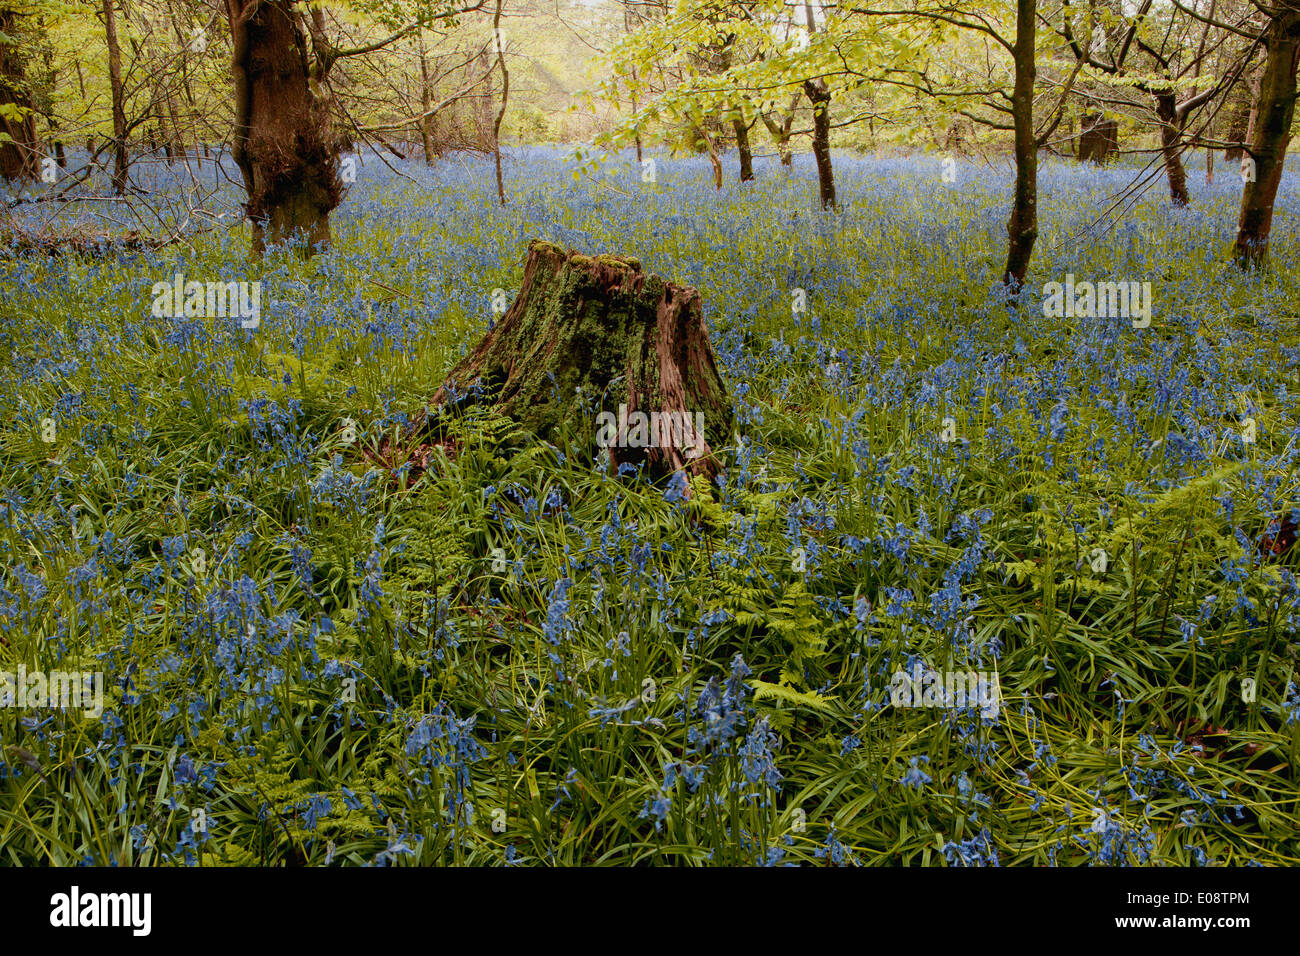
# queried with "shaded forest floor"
point(487, 650)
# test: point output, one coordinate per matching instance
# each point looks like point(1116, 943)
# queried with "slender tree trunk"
point(712, 149)
point(820, 98)
point(174, 124)
point(161, 131)
point(20, 153)
point(716, 161)
point(1022, 227)
point(505, 98)
point(284, 142)
point(1254, 111)
point(485, 116)
point(1170, 146)
point(639, 155)
point(46, 101)
point(191, 108)
point(426, 105)
point(782, 142)
point(1275, 111)
point(120, 160)
point(1239, 124)
point(781, 132)
point(742, 146)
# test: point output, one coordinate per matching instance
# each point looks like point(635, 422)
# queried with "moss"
point(541, 245)
point(619, 262)
point(573, 331)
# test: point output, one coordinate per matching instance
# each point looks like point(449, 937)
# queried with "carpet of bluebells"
point(345, 648)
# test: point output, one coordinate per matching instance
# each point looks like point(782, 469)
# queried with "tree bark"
point(162, 131)
point(120, 160)
point(1239, 124)
point(20, 154)
point(639, 151)
point(192, 112)
point(284, 142)
point(505, 99)
point(706, 140)
point(1275, 111)
point(426, 106)
point(742, 147)
point(1022, 227)
point(820, 98)
point(484, 118)
point(1098, 139)
point(598, 328)
point(1170, 146)
point(177, 137)
point(781, 132)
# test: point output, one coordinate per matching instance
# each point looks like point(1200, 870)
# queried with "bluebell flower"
point(915, 776)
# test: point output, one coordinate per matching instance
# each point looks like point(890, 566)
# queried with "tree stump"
point(1100, 138)
point(587, 329)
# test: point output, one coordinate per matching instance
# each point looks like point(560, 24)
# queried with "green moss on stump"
point(600, 324)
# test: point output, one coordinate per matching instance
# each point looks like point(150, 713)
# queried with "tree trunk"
point(1170, 147)
point(192, 109)
point(284, 142)
point(174, 125)
point(781, 132)
point(820, 98)
point(483, 120)
point(1253, 114)
point(120, 160)
point(742, 146)
point(20, 154)
point(1099, 138)
point(639, 151)
point(706, 140)
point(1275, 110)
point(1022, 227)
point(505, 99)
point(426, 106)
point(586, 329)
point(1239, 123)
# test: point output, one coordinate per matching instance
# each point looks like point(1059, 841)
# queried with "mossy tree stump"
point(597, 329)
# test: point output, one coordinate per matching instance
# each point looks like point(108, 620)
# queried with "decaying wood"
point(90, 244)
point(598, 330)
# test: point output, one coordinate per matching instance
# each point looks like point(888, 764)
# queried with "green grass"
point(424, 670)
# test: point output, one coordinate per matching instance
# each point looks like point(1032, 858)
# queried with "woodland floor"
point(485, 649)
